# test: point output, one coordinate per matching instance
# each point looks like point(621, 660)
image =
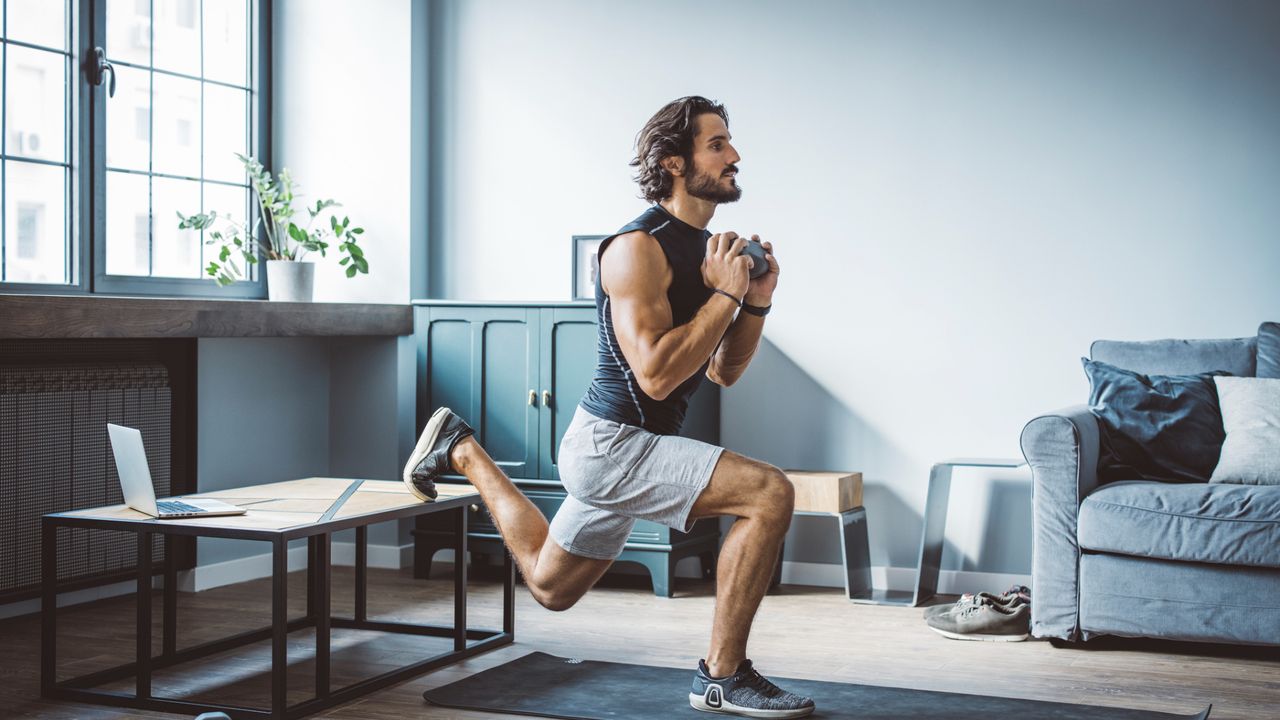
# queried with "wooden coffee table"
point(312, 508)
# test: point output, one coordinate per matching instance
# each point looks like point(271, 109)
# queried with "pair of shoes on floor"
point(747, 693)
point(984, 616)
point(1014, 596)
point(430, 457)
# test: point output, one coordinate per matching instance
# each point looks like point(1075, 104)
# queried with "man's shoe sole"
point(699, 702)
point(428, 438)
point(980, 636)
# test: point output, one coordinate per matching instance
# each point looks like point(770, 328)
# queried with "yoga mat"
point(548, 686)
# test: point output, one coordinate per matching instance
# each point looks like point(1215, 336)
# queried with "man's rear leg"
point(556, 578)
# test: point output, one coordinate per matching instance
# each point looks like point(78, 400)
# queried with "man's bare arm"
point(636, 277)
point(735, 353)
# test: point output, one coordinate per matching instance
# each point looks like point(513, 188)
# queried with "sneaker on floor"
point(746, 693)
point(430, 457)
point(985, 621)
point(1011, 598)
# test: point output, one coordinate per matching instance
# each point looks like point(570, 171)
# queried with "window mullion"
point(203, 131)
point(151, 144)
point(4, 137)
point(81, 176)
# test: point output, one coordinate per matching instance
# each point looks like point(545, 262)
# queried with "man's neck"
point(689, 209)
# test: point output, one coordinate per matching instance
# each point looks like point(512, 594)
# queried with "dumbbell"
point(756, 251)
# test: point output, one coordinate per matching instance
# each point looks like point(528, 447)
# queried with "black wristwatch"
point(756, 309)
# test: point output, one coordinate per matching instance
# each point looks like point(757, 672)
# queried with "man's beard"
point(705, 187)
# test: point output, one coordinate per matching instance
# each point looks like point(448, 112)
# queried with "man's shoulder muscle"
point(636, 264)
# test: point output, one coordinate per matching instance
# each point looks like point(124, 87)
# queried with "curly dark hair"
point(669, 133)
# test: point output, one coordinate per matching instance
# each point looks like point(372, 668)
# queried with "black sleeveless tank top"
point(614, 393)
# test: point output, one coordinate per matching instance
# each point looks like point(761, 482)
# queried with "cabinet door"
point(483, 363)
point(568, 362)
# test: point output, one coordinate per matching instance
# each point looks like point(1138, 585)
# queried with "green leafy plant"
point(280, 238)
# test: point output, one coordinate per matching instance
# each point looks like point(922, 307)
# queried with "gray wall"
point(962, 195)
point(275, 409)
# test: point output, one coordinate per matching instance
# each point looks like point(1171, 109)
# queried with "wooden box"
point(829, 492)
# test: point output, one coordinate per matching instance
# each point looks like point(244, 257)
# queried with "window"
point(35, 153)
point(93, 206)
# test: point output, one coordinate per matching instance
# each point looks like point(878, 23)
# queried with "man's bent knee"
point(777, 498)
point(554, 598)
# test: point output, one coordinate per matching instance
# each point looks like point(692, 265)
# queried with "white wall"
point(962, 195)
point(341, 125)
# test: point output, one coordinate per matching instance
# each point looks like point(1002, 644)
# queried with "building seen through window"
point(35, 147)
point(179, 116)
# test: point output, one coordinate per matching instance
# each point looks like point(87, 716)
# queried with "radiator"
point(55, 456)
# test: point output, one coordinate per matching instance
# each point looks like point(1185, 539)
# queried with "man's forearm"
point(737, 349)
point(684, 348)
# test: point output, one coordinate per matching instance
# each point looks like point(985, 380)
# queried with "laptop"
point(135, 480)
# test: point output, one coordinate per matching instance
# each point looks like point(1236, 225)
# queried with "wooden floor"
point(800, 632)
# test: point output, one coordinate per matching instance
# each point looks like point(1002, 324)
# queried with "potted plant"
point(282, 241)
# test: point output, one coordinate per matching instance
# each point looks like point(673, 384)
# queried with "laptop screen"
point(131, 464)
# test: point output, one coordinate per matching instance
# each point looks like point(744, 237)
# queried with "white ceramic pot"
point(290, 281)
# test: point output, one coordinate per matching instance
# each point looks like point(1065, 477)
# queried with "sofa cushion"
point(1154, 427)
point(1251, 418)
point(1269, 350)
point(1236, 356)
point(1211, 523)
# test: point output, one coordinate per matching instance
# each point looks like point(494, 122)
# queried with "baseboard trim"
point(950, 582)
point(74, 597)
point(228, 572)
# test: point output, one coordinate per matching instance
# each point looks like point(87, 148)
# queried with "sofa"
point(1136, 558)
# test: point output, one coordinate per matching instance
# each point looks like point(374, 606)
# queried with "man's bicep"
point(634, 272)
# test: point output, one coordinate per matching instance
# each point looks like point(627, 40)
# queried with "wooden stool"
point(839, 496)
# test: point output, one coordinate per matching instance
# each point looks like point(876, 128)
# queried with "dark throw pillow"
point(1155, 427)
point(1269, 350)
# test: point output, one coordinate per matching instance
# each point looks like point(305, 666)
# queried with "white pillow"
point(1251, 417)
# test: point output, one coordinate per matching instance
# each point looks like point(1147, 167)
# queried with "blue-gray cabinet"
point(516, 372)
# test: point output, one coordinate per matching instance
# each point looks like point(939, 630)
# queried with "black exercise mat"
point(548, 686)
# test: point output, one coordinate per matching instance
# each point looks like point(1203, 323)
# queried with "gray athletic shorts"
point(616, 474)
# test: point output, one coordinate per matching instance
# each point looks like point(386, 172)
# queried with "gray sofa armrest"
point(1062, 449)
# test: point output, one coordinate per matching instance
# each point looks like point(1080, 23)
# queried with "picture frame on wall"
point(585, 266)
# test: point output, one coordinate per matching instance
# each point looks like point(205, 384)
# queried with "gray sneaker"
point(985, 621)
point(430, 458)
point(746, 693)
point(1011, 598)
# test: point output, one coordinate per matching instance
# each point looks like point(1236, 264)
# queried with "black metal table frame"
point(466, 642)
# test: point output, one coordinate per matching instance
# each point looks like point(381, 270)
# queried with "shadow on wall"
point(779, 414)
point(1008, 517)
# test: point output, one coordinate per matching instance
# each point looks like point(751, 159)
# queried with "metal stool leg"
point(856, 551)
point(934, 532)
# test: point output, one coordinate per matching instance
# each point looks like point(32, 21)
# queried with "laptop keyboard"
point(177, 506)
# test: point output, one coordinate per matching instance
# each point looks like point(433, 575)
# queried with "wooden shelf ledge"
point(99, 316)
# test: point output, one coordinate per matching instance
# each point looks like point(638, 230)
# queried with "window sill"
point(97, 316)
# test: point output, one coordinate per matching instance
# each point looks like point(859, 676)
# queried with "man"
point(675, 304)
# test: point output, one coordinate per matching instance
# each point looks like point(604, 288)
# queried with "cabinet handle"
point(546, 398)
point(533, 398)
